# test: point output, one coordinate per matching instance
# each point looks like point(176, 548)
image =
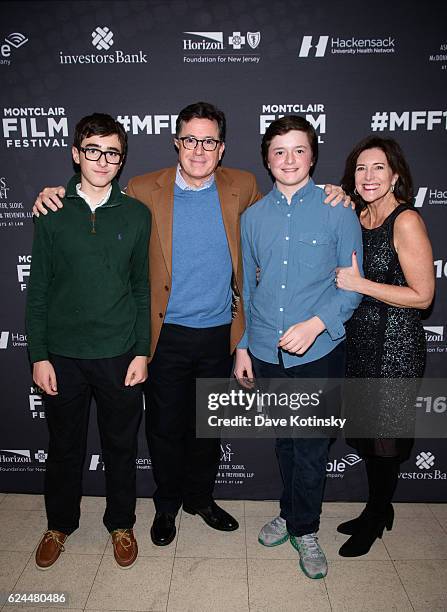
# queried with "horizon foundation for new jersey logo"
point(219, 48)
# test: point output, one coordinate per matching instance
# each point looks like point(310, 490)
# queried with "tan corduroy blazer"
point(237, 190)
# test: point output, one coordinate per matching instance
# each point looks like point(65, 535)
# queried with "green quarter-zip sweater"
point(88, 292)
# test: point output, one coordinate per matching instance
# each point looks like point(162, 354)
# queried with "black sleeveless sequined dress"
point(384, 342)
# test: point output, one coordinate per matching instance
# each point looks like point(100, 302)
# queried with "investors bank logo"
point(13, 41)
point(425, 460)
point(221, 47)
point(426, 465)
point(317, 46)
point(103, 39)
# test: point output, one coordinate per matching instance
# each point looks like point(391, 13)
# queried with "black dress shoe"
point(215, 517)
point(163, 529)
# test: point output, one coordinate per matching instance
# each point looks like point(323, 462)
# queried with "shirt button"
point(281, 310)
point(287, 237)
point(166, 288)
point(160, 314)
point(279, 331)
point(288, 214)
point(301, 199)
point(285, 262)
point(314, 242)
point(283, 286)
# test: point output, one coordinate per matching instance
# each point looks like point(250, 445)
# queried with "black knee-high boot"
point(378, 514)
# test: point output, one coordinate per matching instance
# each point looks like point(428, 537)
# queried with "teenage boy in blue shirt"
point(292, 243)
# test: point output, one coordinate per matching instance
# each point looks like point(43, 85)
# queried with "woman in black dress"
point(385, 337)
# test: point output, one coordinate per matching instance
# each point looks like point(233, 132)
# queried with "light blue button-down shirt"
point(296, 248)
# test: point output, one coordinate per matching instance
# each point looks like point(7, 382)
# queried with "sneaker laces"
point(54, 535)
point(309, 543)
point(277, 524)
point(122, 537)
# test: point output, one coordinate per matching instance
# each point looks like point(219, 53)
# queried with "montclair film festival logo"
point(13, 41)
point(316, 46)
point(35, 127)
point(103, 39)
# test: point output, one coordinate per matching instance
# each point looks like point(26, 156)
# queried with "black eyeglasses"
point(190, 143)
point(112, 157)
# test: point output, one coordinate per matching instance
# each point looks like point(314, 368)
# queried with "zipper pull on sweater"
point(93, 219)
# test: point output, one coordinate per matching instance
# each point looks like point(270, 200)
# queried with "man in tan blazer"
point(196, 282)
point(196, 313)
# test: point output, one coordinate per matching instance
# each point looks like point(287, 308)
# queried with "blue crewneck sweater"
point(201, 263)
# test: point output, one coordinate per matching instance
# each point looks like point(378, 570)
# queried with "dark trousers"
point(184, 466)
point(303, 461)
point(119, 411)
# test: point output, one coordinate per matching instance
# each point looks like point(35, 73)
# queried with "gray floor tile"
point(12, 565)
point(276, 584)
point(262, 508)
point(145, 586)
point(15, 501)
point(365, 586)
point(196, 539)
point(72, 574)
point(425, 583)
point(25, 528)
point(209, 585)
point(416, 539)
point(440, 512)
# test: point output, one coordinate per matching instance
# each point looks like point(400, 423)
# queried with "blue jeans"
point(302, 461)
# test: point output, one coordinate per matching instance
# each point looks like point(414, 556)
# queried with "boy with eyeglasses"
point(89, 334)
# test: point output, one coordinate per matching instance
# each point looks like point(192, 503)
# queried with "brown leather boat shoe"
point(125, 547)
point(50, 547)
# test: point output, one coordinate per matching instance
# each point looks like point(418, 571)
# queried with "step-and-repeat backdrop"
point(351, 68)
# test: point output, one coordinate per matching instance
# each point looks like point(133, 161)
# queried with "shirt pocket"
point(315, 250)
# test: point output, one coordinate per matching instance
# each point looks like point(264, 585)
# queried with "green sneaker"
point(274, 532)
point(312, 558)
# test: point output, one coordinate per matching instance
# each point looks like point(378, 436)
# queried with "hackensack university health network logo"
point(218, 48)
point(437, 196)
point(316, 46)
point(102, 39)
point(12, 41)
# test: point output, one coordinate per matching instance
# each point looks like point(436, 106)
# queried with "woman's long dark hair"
point(403, 189)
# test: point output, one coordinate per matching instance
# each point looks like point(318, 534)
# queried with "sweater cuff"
point(38, 354)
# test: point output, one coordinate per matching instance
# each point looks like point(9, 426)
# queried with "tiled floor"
point(205, 570)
